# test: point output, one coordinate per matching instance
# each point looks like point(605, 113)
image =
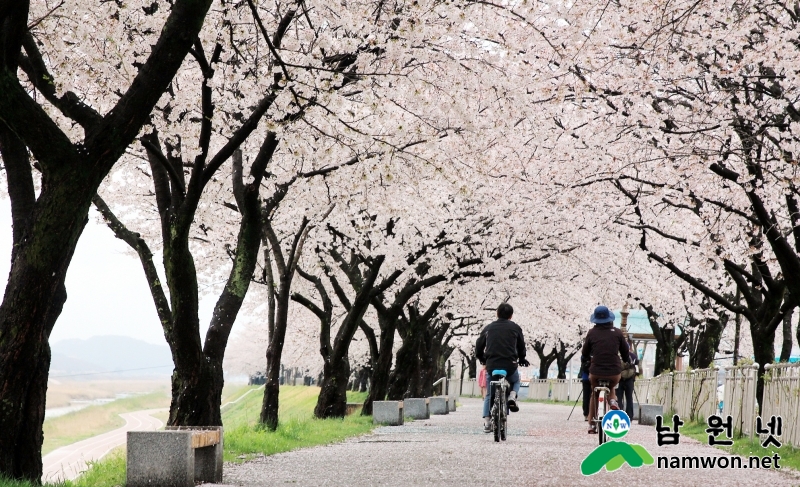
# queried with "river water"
point(78, 405)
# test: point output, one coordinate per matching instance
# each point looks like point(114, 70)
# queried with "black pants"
point(587, 394)
point(625, 396)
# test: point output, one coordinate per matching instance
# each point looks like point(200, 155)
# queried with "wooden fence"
point(739, 401)
point(693, 394)
point(782, 398)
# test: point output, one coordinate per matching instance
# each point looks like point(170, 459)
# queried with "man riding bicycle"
point(501, 346)
point(604, 344)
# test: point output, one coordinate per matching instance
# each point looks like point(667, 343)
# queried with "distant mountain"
point(109, 356)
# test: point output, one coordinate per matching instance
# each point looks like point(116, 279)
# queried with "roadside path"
point(542, 449)
point(69, 461)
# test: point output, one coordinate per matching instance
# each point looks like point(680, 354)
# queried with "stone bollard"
point(451, 403)
point(417, 408)
point(648, 413)
point(388, 412)
point(439, 405)
point(635, 411)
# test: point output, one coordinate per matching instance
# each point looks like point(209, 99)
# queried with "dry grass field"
point(61, 393)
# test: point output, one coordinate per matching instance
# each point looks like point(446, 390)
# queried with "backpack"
point(628, 370)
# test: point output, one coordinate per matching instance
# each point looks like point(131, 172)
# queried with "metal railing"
point(444, 385)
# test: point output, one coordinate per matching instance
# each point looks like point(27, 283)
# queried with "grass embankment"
point(744, 446)
point(298, 428)
point(96, 420)
point(243, 437)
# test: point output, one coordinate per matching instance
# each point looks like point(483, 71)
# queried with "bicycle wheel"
point(503, 419)
point(601, 434)
point(496, 414)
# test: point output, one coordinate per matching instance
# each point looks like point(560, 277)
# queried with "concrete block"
point(439, 405)
point(635, 411)
point(648, 413)
point(451, 403)
point(388, 412)
point(417, 408)
point(207, 442)
point(178, 457)
point(160, 458)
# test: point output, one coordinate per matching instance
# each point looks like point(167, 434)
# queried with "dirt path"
point(542, 449)
point(68, 462)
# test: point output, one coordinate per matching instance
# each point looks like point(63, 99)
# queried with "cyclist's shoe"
point(512, 402)
point(592, 430)
point(613, 404)
point(487, 425)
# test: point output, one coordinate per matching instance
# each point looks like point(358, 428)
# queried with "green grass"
point(359, 397)
point(297, 428)
point(16, 483)
point(108, 472)
point(742, 446)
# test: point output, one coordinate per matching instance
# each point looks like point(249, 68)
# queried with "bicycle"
point(601, 391)
point(499, 412)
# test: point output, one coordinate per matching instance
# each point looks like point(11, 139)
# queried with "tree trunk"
point(405, 376)
point(379, 381)
point(544, 367)
point(545, 361)
point(332, 401)
point(33, 300)
point(764, 353)
point(666, 352)
point(196, 394)
point(707, 342)
point(269, 406)
point(666, 345)
point(473, 366)
point(563, 356)
point(363, 379)
point(786, 348)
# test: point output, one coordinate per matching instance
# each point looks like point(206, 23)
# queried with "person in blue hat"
point(604, 346)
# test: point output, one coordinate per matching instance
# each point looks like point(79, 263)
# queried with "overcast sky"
point(106, 288)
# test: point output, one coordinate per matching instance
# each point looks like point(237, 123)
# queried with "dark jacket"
point(605, 344)
point(500, 346)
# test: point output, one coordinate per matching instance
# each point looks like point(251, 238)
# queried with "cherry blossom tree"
point(75, 125)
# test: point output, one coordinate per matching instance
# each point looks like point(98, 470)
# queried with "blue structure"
point(638, 324)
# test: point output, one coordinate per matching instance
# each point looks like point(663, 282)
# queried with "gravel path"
point(542, 449)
